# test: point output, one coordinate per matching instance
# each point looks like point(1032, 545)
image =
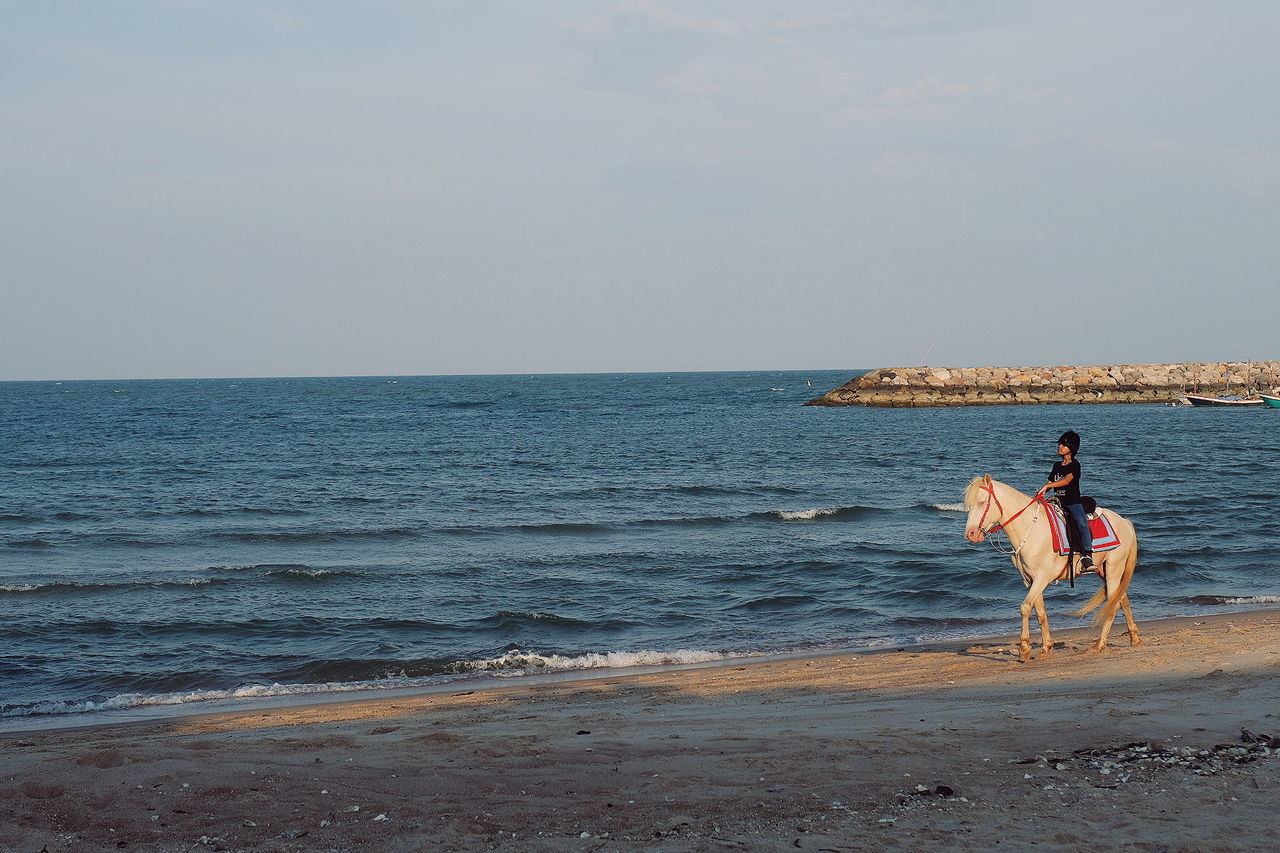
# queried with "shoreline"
point(487, 681)
point(812, 751)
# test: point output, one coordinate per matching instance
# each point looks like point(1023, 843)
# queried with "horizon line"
point(427, 375)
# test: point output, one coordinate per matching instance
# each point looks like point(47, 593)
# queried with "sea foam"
point(518, 662)
point(805, 514)
point(1226, 599)
point(511, 664)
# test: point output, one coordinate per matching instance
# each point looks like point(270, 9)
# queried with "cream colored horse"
point(994, 505)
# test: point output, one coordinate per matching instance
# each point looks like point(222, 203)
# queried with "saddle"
point(1064, 534)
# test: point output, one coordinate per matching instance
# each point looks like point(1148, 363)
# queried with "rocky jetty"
point(896, 387)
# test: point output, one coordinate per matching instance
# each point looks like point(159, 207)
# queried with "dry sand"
point(949, 747)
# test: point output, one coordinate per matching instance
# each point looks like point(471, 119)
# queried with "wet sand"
point(945, 747)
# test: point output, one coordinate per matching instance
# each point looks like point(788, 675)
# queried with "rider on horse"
point(1065, 478)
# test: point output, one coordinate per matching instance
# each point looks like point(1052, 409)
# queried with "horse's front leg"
point(1046, 641)
point(1034, 599)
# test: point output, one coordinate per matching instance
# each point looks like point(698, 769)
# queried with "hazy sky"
point(330, 187)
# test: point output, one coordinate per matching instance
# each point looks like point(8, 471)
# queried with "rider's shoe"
point(1086, 563)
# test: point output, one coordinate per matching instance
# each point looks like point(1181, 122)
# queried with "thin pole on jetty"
point(924, 357)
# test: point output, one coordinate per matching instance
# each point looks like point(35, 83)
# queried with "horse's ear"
point(986, 478)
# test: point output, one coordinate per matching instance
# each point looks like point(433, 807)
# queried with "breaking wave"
point(519, 662)
point(75, 587)
point(281, 572)
point(1230, 599)
point(510, 664)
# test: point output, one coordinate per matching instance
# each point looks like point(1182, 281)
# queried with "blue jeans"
point(1076, 511)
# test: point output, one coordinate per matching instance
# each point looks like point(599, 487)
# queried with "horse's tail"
point(1108, 613)
point(1098, 597)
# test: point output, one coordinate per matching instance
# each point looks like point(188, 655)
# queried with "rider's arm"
point(1057, 484)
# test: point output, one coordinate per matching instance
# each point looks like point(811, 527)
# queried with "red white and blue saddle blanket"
point(1104, 535)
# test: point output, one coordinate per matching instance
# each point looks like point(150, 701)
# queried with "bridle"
point(991, 497)
point(997, 528)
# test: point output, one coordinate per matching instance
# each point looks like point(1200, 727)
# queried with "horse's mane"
point(973, 493)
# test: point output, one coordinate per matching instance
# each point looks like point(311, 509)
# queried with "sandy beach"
point(957, 747)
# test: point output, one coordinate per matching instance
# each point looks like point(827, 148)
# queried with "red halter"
point(991, 491)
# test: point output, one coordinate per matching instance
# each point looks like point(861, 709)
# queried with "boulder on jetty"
point(899, 387)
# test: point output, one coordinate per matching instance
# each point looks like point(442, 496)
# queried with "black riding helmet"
point(1072, 440)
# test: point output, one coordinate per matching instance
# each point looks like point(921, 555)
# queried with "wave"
point(847, 513)
point(130, 540)
point(509, 620)
point(517, 662)
point(308, 574)
point(259, 566)
point(516, 617)
point(949, 507)
point(1212, 600)
point(723, 490)
point(30, 544)
point(776, 602)
point(142, 700)
point(292, 536)
point(261, 634)
point(510, 664)
point(79, 587)
point(284, 572)
point(562, 527)
point(219, 513)
point(840, 513)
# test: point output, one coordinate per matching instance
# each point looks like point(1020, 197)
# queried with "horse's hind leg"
point(1134, 639)
point(1117, 586)
point(1107, 614)
point(1105, 626)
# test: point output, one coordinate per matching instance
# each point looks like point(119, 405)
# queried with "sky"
point(231, 188)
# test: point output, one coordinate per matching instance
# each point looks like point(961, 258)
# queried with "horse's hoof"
point(1134, 641)
point(1045, 654)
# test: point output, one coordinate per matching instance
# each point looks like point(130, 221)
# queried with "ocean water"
point(174, 544)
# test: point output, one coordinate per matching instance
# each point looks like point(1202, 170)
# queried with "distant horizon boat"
point(1273, 402)
point(1232, 400)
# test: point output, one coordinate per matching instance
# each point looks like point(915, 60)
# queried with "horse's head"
point(984, 508)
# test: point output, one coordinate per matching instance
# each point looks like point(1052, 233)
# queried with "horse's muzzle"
point(975, 535)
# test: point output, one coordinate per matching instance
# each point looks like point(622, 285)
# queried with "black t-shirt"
point(1070, 493)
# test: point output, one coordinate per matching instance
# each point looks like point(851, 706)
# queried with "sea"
point(174, 546)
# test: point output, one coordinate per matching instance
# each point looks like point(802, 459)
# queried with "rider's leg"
point(1085, 534)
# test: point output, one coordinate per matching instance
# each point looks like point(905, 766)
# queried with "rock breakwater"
point(896, 387)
